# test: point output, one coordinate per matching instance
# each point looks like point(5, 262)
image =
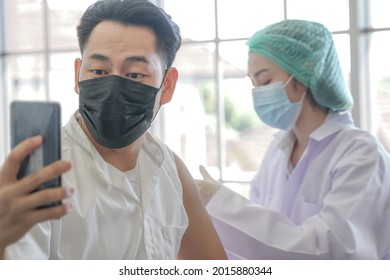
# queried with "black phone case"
point(28, 119)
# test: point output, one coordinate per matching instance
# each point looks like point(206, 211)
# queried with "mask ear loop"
point(165, 73)
point(288, 81)
point(304, 93)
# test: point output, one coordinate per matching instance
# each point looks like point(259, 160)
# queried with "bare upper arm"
point(200, 241)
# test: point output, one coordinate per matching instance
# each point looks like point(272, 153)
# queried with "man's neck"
point(123, 159)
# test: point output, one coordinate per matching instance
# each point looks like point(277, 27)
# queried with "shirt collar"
point(334, 122)
point(150, 148)
point(76, 132)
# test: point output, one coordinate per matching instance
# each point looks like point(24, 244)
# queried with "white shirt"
point(335, 203)
point(109, 220)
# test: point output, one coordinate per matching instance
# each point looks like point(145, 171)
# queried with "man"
point(133, 198)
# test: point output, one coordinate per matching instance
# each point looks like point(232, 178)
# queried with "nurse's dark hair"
point(133, 12)
point(309, 95)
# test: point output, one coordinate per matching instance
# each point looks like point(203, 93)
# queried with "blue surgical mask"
point(273, 106)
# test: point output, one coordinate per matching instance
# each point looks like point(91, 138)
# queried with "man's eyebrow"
point(137, 58)
point(130, 59)
point(99, 57)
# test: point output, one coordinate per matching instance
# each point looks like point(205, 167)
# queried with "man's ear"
point(77, 66)
point(169, 85)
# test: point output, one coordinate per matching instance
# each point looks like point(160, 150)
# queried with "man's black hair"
point(133, 12)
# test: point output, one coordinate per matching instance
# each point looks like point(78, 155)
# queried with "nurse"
point(323, 189)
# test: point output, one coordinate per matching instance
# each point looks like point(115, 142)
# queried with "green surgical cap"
point(306, 51)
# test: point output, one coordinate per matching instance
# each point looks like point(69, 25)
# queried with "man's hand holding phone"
point(19, 204)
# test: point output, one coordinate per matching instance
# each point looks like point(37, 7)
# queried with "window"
point(218, 127)
point(37, 50)
point(379, 61)
point(210, 120)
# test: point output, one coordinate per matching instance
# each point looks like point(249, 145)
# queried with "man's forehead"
point(119, 37)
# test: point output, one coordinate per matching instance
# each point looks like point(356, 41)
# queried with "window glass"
point(230, 145)
point(63, 18)
point(243, 19)
point(61, 83)
point(3, 113)
point(27, 77)
point(196, 19)
point(380, 13)
point(245, 137)
point(342, 44)
point(380, 84)
point(25, 28)
point(191, 117)
point(334, 14)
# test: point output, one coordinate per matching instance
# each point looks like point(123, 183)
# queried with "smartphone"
point(31, 118)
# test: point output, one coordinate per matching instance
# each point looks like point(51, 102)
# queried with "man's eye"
point(98, 72)
point(135, 75)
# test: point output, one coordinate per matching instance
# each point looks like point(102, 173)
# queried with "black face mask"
point(116, 110)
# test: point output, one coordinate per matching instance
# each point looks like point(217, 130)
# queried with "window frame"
point(359, 33)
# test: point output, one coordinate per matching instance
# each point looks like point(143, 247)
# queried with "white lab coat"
point(335, 204)
point(109, 220)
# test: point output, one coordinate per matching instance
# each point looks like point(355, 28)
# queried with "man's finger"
point(44, 214)
point(40, 198)
point(21, 151)
point(32, 181)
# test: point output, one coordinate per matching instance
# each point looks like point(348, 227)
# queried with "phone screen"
point(28, 119)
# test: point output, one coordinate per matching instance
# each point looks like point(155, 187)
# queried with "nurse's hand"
point(208, 186)
point(18, 204)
